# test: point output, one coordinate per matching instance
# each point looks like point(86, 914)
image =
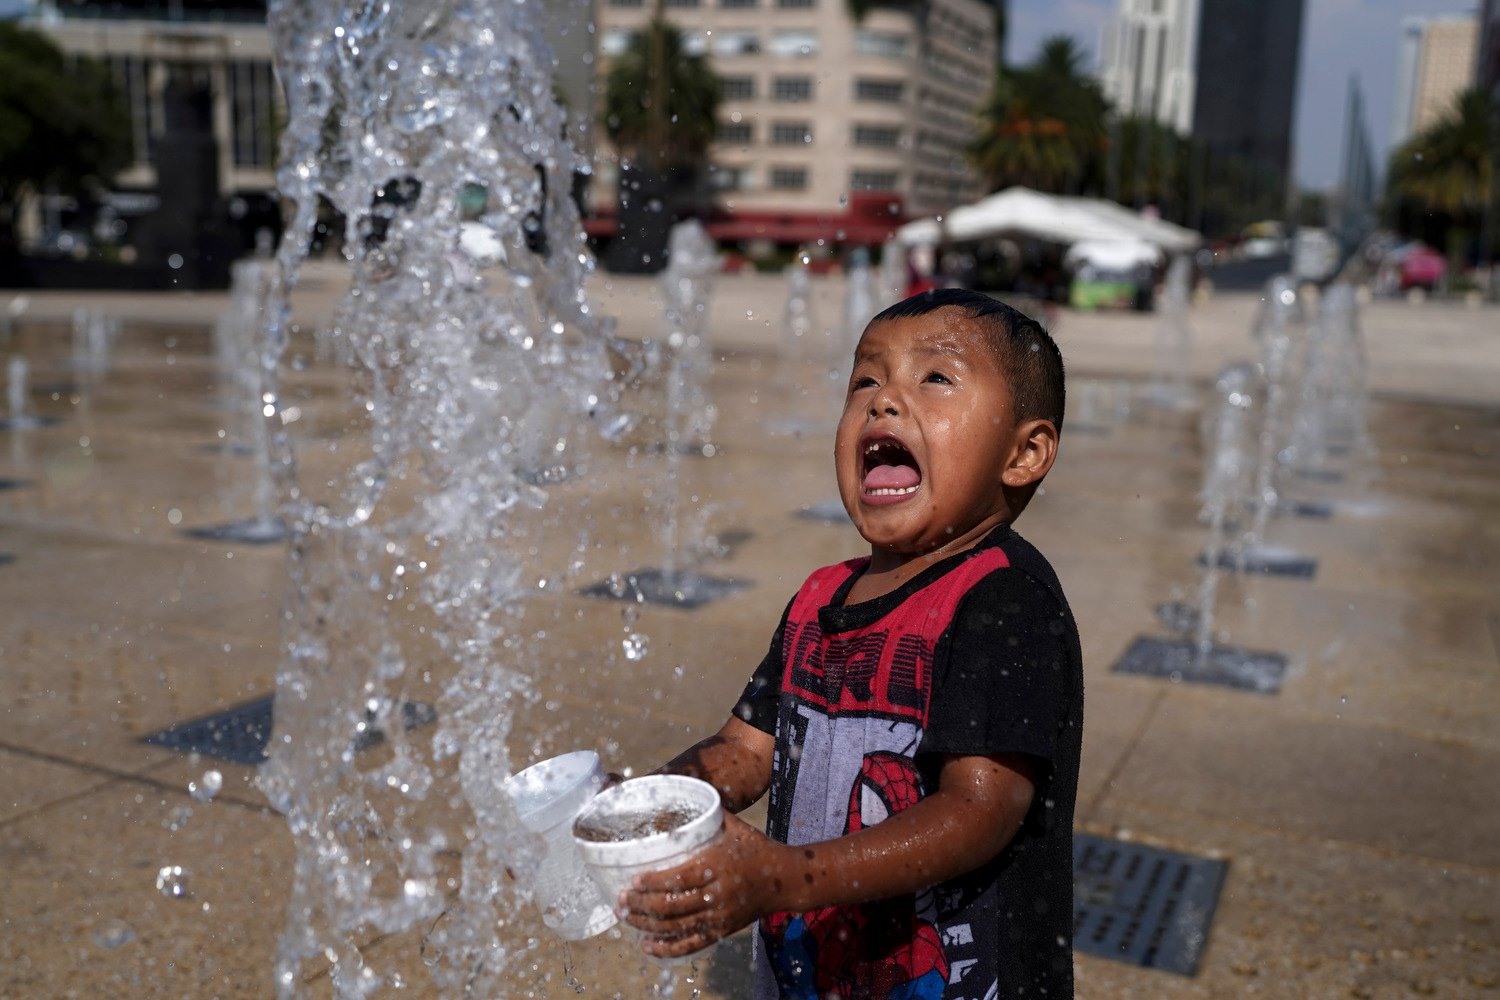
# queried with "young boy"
point(918, 716)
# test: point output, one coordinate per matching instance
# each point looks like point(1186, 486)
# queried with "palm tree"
point(660, 103)
point(1042, 124)
point(1447, 167)
point(661, 112)
point(1442, 180)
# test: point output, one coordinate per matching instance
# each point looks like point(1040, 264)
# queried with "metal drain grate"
point(240, 734)
point(12, 484)
point(1229, 666)
point(1267, 562)
point(1143, 905)
point(251, 531)
point(684, 589)
point(825, 512)
point(6, 558)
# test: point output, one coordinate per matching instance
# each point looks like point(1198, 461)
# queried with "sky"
point(1339, 38)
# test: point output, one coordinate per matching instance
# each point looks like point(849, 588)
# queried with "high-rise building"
point(1148, 60)
point(1247, 80)
point(1437, 61)
point(822, 119)
point(1222, 71)
point(1487, 57)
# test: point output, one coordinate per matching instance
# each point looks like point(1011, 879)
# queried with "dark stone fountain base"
point(1227, 666)
point(1267, 562)
point(682, 589)
point(251, 531)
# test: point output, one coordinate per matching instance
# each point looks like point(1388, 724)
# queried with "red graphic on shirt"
point(877, 950)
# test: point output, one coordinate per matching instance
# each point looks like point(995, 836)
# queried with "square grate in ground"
point(680, 589)
point(1228, 666)
point(1143, 905)
point(829, 511)
point(240, 734)
point(1267, 561)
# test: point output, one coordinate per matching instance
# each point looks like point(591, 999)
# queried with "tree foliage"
point(1043, 124)
point(660, 103)
point(1448, 167)
point(62, 122)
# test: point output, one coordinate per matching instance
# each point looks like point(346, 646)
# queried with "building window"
point(792, 88)
point(737, 88)
point(252, 90)
point(877, 136)
point(739, 3)
point(695, 43)
point(789, 178)
point(736, 43)
point(615, 41)
point(729, 178)
point(627, 3)
point(130, 74)
point(735, 132)
point(884, 91)
point(872, 180)
point(881, 43)
point(794, 43)
point(796, 3)
point(681, 3)
point(791, 133)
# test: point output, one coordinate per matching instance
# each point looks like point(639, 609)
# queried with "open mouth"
point(890, 470)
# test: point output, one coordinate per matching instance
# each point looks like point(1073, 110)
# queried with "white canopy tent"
point(1019, 211)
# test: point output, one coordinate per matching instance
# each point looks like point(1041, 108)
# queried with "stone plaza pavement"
point(1358, 809)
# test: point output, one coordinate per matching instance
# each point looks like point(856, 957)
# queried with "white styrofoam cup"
point(548, 796)
point(614, 863)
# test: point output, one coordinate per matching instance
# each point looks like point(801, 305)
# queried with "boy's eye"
point(939, 378)
point(861, 382)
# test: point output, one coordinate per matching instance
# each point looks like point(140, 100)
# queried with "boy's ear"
point(1032, 457)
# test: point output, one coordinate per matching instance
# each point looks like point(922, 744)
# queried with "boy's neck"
point(889, 570)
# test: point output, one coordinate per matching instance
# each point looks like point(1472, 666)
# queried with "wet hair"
point(1028, 355)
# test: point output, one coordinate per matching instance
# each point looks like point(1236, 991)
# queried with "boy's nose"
point(885, 406)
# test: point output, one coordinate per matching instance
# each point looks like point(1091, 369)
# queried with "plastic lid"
point(553, 791)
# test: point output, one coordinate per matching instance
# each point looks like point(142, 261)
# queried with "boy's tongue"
point(891, 477)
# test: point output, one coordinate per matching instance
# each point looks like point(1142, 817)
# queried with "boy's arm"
point(736, 760)
point(977, 808)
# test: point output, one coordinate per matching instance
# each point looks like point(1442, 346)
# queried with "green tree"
point(1043, 124)
point(1447, 166)
point(1441, 179)
point(660, 103)
point(62, 123)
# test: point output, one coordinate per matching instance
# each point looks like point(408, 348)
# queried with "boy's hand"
point(730, 883)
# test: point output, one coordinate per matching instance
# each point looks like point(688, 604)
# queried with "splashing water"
point(687, 285)
point(1173, 340)
point(1279, 329)
point(1226, 471)
point(1329, 422)
point(481, 373)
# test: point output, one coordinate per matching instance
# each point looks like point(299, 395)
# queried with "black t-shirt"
point(1004, 675)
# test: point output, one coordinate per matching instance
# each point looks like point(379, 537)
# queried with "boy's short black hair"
point(1027, 353)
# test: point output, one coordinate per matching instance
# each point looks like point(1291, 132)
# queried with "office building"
point(1487, 56)
point(1148, 61)
point(1222, 71)
point(826, 126)
point(1436, 61)
point(1247, 80)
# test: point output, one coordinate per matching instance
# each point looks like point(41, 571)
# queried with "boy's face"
point(927, 433)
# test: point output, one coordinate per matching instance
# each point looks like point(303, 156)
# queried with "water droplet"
point(172, 881)
point(206, 787)
point(114, 934)
point(636, 646)
point(177, 818)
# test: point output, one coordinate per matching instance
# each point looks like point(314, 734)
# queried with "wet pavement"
point(1356, 808)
